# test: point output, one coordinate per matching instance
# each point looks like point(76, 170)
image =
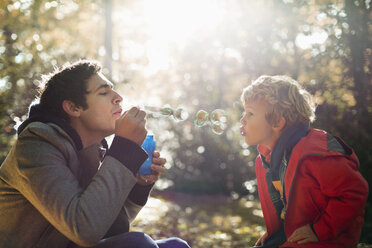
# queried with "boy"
point(310, 189)
point(60, 185)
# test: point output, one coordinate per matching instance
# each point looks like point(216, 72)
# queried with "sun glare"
point(306, 41)
point(149, 33)
point(171, 22)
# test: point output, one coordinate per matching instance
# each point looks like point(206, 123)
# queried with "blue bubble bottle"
point(149, 146)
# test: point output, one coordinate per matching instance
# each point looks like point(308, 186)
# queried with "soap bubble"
point(166, 111)
point(201, 118)
point(218, 116)
point(218, 128)
point(180, 114)
point(216, 120)
point(163, 111)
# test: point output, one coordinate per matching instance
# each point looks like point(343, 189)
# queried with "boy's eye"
point(103, 93)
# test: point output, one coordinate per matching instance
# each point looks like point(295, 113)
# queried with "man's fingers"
point(159, 161)
point(150, 178)
point(136, 113)
point(157, 169)
point(133, 111)
point(140, 114)
point(132, 125)
point(155, 154)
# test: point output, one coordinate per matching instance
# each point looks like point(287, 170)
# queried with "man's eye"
point(103, 93)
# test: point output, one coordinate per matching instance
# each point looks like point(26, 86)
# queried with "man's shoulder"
point(49, 132)
point(37, 126)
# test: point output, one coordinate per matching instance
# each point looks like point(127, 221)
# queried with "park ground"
point(204, 221)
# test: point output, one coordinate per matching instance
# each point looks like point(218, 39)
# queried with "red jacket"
point(323, 187)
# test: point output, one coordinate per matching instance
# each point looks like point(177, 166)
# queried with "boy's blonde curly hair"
point(284, 97)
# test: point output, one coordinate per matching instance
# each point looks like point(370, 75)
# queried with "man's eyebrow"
point(104, 86)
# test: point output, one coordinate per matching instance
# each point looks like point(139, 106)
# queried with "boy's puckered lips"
point(242, 131)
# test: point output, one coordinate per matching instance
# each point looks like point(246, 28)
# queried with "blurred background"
point(199, 54)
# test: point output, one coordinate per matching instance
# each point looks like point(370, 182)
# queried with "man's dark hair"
point(67, 83)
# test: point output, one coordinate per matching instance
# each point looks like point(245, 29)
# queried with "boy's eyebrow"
point(250, 107)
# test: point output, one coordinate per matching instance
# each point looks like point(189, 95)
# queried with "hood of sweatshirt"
point(38, 114)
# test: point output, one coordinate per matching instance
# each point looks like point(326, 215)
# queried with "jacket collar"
point(283, 147)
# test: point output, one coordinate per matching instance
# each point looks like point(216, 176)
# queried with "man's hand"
point(157, 168)
point(131, 125)
point(303, 235)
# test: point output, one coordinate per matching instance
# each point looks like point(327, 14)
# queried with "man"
point(60, 185)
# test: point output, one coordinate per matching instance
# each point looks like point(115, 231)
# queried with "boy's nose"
point(242, 121)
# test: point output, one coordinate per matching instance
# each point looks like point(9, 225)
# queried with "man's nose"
point(117, 99)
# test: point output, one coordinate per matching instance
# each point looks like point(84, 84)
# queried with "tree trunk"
point(357, 18)
point(108, 36)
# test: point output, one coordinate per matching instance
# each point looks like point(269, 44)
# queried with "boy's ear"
point(70, 108)
point(280, 124)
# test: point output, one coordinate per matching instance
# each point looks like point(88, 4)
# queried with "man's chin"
point(109, 132)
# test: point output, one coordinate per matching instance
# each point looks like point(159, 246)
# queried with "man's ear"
point(280, 124)
point(70, 108)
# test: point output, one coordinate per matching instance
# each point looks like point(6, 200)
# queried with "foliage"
point(34, 37)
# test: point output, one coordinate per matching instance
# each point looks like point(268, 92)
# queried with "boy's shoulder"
point(321, 146)
point(320, 142)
